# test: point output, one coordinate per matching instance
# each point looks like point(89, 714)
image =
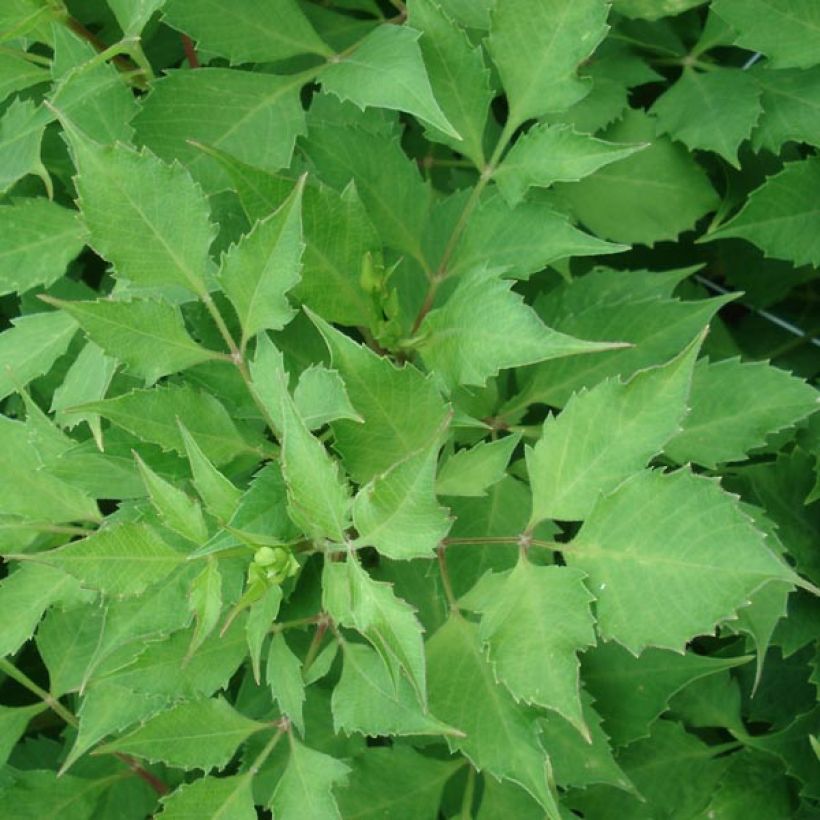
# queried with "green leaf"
point(205, 603)
point(712, 111)
point(254, 118)
point(124, 195)
point(31, 346)
point(535, 624)
point(786, 31)
point(306, 787)
point(791, 107)
point(537, 45)
point(38, 238)
point(469, 472)
point(694, 544)
point(577, 762)
point(366, 700)
point(284, 676)
point(133, 15)
point(459, 78)
point(649, 197)
point(632, 692)
point(499, 737)
point(397, 512)
point(21, 131)
point(257, 272)
point(18, 73)
point(521, 240)
point(196, 735)
point(261, 616)
point(387, 70)
point(401, 408)
point(554, 153)
point(318, 494)
point(219, 495)
point(45, 795)
point(734, 406)
point(321, 397)
point(255, 33)
point(28, 490)
point(603, 436)
point(781, 216)
point(119, 560)
point(219, 798)
point(653, 9)
point(153, 415)
point(13, 724)
point(484, 328)
point(25, 595)
point(355, 600)
point(417, 783)
point(148, 335)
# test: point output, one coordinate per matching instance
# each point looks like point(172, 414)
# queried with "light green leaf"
point(521, 240)
point(791, 107)
point(734, 406)
point(781, 216)
point(87, 380)
point(417, 781)
point(257, 272)
point(132, 15)
point(459, 78)
point(469, 472)
point(119, 560)
point(712, 111)
point(649, 197)
point(537, 46)
point(631, 693)
point(657, 329)
point(200, 734)
point(321, 397)
point(13, 724)
point(554, 153)
point(17, 72)
point(306, 787)
point(366, 700)
point(38, 238)
point(148, 335)
point(539, 663)
point(21, 131)
point(219, 495)
point(386, 70)
point(355, 600)
point(401, 408)
point(318, 494)
point(604, 435)
point(31, 346)
point(500, 737)
point(153, 415)
point(694, 544)
point(654, 9)
point(30, 491)
point(283, 673)
point(261, 615)
point(252, 117)
point(484, 328)
point(397, 512)
point(786, 31)
point(273, 30)
point(217, 798)
point(149, 219)
point(25, 595)
point(205, 603)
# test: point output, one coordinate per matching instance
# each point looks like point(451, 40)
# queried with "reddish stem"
point(190, 51)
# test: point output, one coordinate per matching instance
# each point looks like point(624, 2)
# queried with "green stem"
point(49, 700)
point(445, 579)
point(315, 646)
point(469, 794)
point(516, 540)
point(266, 752)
